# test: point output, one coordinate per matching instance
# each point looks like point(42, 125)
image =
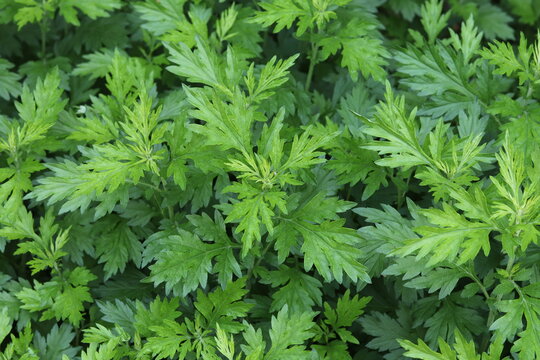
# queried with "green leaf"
point(116, 248)
point(519, 200)
point(463, 350)
point(454, 238)
point(400, 129)
point(39, 109)
point(443, 280)
point(502, 55)
point(525, 9)
point(157, 312)
point(109, 166)
point(5, 324)
point(226, 125)
point(386, 330)
point(347, 310)
point(488, 15)
point(255, 345)
point(333, 250)
point(468, 43)
point(325, 243)
point(226, 264)
point(70, 304)
point(57, 343)
point(521, 315)
point(223, 306)
point(361, 47)
point(97, 64)
point(161, 16)
point(288, 333)
point(31, 12)
point(299, 291)
point(95, 352)
point(119, 313)
point(9, 81)
point(170, 338)
point(200, 66)
point(364, 54)
point(272, 75)
point(225, 344)
point(284, 13)
point(339, 319)
point(183, 261)
point(454, 314)
point(91, 8)
point(254, 209)
point(422, 351)
point(433, 20)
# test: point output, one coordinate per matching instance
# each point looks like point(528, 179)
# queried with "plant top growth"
point(269, 180)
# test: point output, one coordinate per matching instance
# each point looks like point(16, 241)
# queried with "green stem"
point(511, 261)
point(58, 270)
point(348, 192)
point(43, 42)
point(470, 273)
point(169, 207)
point(485, 338)
point(529, 91)
point(43, 30)
point(492, 310)
point(312, 63)
point(530, 87)
point(257, 263)
point(143, 184)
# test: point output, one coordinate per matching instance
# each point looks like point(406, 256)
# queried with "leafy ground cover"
point(279, 179)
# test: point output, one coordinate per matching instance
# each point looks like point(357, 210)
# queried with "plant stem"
point(43, 42)
point(250, 271)
point(169, 207)
point(471, 274)
point(492, 310)
point(510, 264)
point(43, 30)
point(312, 63)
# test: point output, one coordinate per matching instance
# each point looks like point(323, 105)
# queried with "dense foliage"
point(278, 179)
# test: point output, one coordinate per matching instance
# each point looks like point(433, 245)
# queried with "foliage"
point(268, 180)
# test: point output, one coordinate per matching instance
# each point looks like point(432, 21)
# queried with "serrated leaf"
point(9, 81)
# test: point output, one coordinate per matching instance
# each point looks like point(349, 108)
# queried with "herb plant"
point(269, 180)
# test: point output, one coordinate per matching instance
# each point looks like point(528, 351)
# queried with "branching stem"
point(258, 262)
